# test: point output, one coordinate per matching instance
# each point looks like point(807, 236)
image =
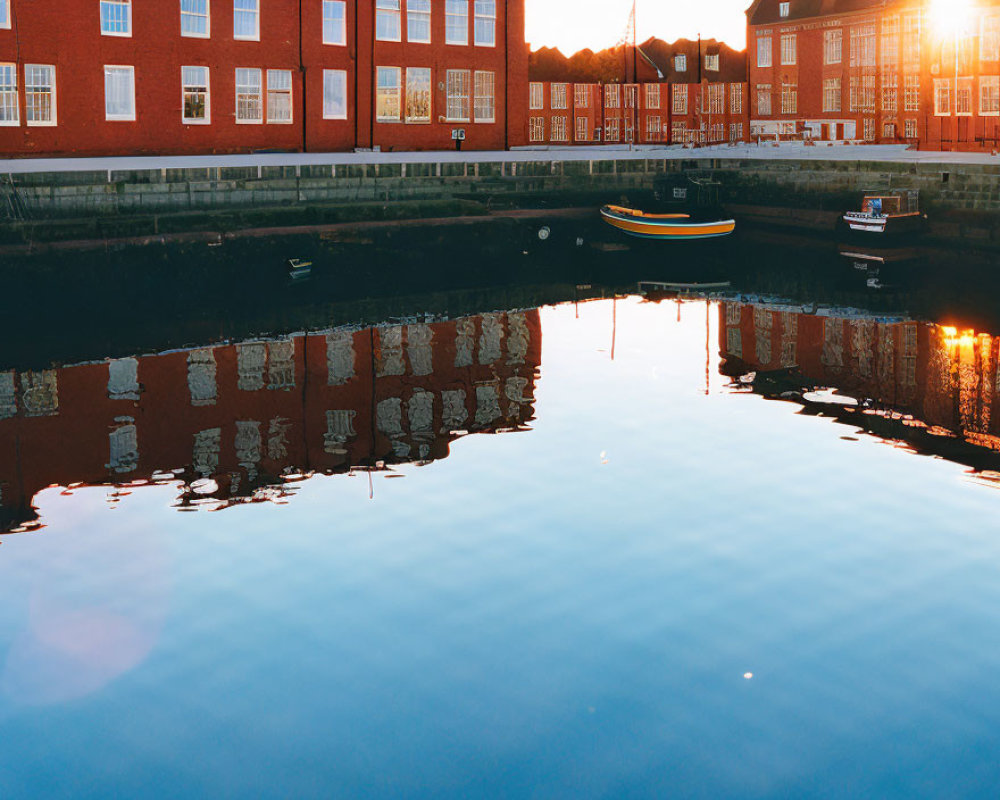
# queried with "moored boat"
point(664, 226)
point(887, 214)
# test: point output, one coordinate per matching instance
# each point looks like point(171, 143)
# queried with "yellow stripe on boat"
point(666, 230)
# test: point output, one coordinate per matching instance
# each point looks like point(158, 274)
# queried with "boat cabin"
point(892, 204)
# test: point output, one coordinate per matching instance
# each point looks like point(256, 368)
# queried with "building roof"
point(767, 12)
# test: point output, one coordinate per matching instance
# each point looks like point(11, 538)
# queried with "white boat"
point(891, 213)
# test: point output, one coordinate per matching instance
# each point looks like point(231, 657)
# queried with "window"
point(833, 46)
point(653, 129)
point(559, 95)
point(195, 18)
point(680, 63)
point(4, 13)
point(249, 97)
point(942, 98)
point(612, 130)
point(418, 21)
point(387, 23)
point(890, 94)
point(963, 98)
point(890, 41)
point(712, 63)
point(783, 9)
point(559, 133)
point(582, 129)
point(387, 99)
point(832, 94)
point(631, 96)
point(195, 105)
point(764, 99)
point(716, 98)
point(989, 96)
point(911, 40)
point(456, 22)
point(911, 93)
point(581, 95)
point(869, 129)
point(613, 96)
point(486, 23)
point(116, 17)
point(485, 105)
point(458, 95)
point(788, 49)
point(334, 22)
point(789, 98)
point(911, 129)
point(989, 40)
point(680, 101)
point(40, 94)
point(418, 94)
point(736, 132)
point(536, 129)
point(763, 51)
point(652, 95)
point(246, 19)
point(736, 98)
point(537, 97)
point(334, 94)
point(9, 108)
point(863, 46)
point(279, 96)
point(119, 94)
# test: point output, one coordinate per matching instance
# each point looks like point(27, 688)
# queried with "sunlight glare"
point(950, 17)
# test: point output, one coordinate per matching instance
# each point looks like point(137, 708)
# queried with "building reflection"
point(918, 381)
point(235, 423)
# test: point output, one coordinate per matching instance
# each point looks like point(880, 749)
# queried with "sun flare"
point(950, 17)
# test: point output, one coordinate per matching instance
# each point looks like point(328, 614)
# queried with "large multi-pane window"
point(911, 39)
point(890, 94)
point(9, 108)
point(942, 98)
point(279, 96)
point(911, 129)
point(581, 95)
point(119, 94)
point(418, 21)
point(116, 17)
point(334, 22)
point(246, 19)
point(911, 93)
point(388, 96)
point(560, 132)
point(387, 20)
point(536, 99)
point(680, 101)
point(890, 41)
point(789, 98)
point(831, 94)
point(418, 94)
point(763, 51)
point(195, 19)
point(989, 40)
point(652, 95)
point(485, 97)
point(560, 95)
point(653, 129)
point(763, 99)
point(833, 46)
point(249, 96)
point(456, 21)
point(334, 94)
point(736, 98)
point(963, 98)
point(458, 95)
point(582, 129)
point(863, 46)
point(716, 98)
point(195, 97)
point(485, 23)
point(613, 95)
point(613, 130)
point(40, 94)
point(536, 129)
point(989, 95)
point(788, 49)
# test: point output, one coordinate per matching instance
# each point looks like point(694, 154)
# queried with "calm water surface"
point(634, 578)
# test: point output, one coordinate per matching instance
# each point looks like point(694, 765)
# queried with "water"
point(616, 566)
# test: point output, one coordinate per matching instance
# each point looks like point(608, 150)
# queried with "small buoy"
point(579, 241)
point(544, 233)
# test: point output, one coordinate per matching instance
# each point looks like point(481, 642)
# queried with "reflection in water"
point(919, 382)
point(238, 423)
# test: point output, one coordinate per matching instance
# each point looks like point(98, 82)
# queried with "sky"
point(572, 25)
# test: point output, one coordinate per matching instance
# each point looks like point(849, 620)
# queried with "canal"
point(505, 508)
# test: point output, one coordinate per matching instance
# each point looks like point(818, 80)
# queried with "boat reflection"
point(239, 422)
point(929, 385)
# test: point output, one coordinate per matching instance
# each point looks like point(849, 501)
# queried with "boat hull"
point(883, 226)
point(668, 229)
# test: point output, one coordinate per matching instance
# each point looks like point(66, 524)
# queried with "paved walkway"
point(790, 151)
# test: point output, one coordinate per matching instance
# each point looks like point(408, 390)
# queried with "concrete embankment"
point(963, 200)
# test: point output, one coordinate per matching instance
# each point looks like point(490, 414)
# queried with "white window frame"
point(388, 21)
point(207, 16)
point(127, 5)
point(536, 96)
point(833, 46)
point(833, 93)
point(387, 90)
point(613, 95)
point(764, 52)
point(582, 129)
point(989, 96)
point(480, 96)
point(207, 119)
point(965, 86)
point(943, 90)
point(485, 22)
point(5, 19)
point(329, 76)
point(450, 15)
point(329, 6)
point(419, 10)
point(789, 47)
point(581, 95)
point(424, 74)
point(536, 129)
point(53, 120)
point(272, 78)
point(989, 38)
point(119, 117)
point(450, 75)
point(736, 98)
point(559, 129)
point(559, 99)
point(14, 94)
point(680, 63)
point(784, 9)
point(911, 93)
point(712, 63)
point(910, 129)
point(653, 96)
point(679, 102)
point(258, 120)
point(255, 11)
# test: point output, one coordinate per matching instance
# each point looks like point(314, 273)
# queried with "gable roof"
point(767, 12)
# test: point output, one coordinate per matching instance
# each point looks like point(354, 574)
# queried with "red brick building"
point(89, 77)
